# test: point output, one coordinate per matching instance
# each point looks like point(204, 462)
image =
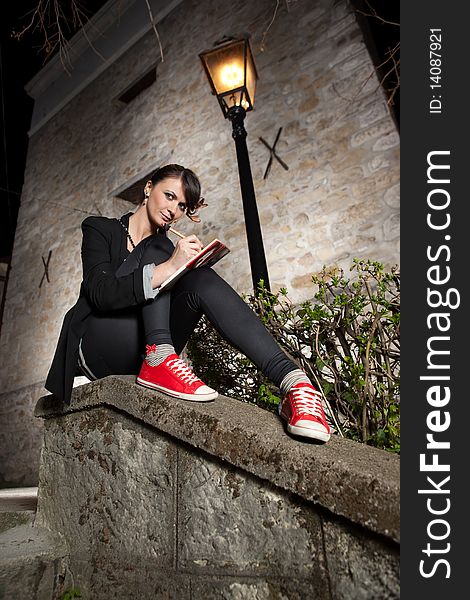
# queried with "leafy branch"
point(346, 339)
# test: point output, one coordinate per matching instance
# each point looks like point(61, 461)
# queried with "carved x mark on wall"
point(45, 275)
point(273, 154)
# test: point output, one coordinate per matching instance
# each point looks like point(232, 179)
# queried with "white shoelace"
point(181, 369)
point(308, 402)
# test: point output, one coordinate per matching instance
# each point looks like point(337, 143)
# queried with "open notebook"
point(208, 256)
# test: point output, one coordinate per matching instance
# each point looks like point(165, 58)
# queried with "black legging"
point(113, 343)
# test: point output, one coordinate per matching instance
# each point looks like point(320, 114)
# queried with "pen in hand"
point(169, 228)
point(176, 232)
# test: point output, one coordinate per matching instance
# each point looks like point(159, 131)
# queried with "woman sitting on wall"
point(120, 309)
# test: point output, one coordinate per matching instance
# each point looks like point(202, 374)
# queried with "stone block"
point(115, 479)
point(391, 227)
point(335, 202)
point(346, 178)
point(364, 568)
point(392, 196)
point(380, 161)
point(219, 510)
point(262, 588)
point(118, 578)
point(33, 564)
point(374, 131)
point(303, 281)
point(354, 87)
point(373, 113)
point(378, 181)
point(389, 140)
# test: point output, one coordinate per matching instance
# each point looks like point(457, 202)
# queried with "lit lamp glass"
point(232, 74)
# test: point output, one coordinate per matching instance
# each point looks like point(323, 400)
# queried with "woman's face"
point(166, 202)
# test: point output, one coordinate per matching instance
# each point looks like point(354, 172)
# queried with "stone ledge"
point(33, 563)
point(350, 479)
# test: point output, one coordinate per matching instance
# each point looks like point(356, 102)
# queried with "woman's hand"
point(185, 249)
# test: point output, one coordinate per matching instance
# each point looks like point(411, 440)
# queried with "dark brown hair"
point(191, 186)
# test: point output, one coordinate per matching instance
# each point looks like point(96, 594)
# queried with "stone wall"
point(20, 436)
point(337, 201)
point(161, 498)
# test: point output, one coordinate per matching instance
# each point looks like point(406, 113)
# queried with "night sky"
point(18, 64)
point(20, 61)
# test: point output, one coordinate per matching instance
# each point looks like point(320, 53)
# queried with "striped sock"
point(157, 356)
point(291, 379)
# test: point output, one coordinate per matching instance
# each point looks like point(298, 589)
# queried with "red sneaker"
point(303, 411)
point(175, 378)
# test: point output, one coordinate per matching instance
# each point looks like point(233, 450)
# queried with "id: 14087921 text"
point(435, 70)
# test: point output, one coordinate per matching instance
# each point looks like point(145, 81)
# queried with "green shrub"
point(71, 594)
point(346, 339)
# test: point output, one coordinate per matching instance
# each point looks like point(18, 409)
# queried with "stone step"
point(8, 520)
point(18, 499)
point(17, 507)
point(33, 564)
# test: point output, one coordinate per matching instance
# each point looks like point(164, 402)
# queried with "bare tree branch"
point(373, 13)
point(152, 21)
point(55, 21)
point(265, 33)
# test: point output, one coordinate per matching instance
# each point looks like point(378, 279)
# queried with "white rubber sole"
point(313, 434)
point(173, 394)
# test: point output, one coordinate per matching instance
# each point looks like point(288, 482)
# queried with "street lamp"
point(232, 75)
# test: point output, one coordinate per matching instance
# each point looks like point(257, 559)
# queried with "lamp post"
point(232, 75)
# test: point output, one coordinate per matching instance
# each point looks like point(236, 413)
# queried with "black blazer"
point(104, 248)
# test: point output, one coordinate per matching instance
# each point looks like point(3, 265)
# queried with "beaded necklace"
point(127, 233)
